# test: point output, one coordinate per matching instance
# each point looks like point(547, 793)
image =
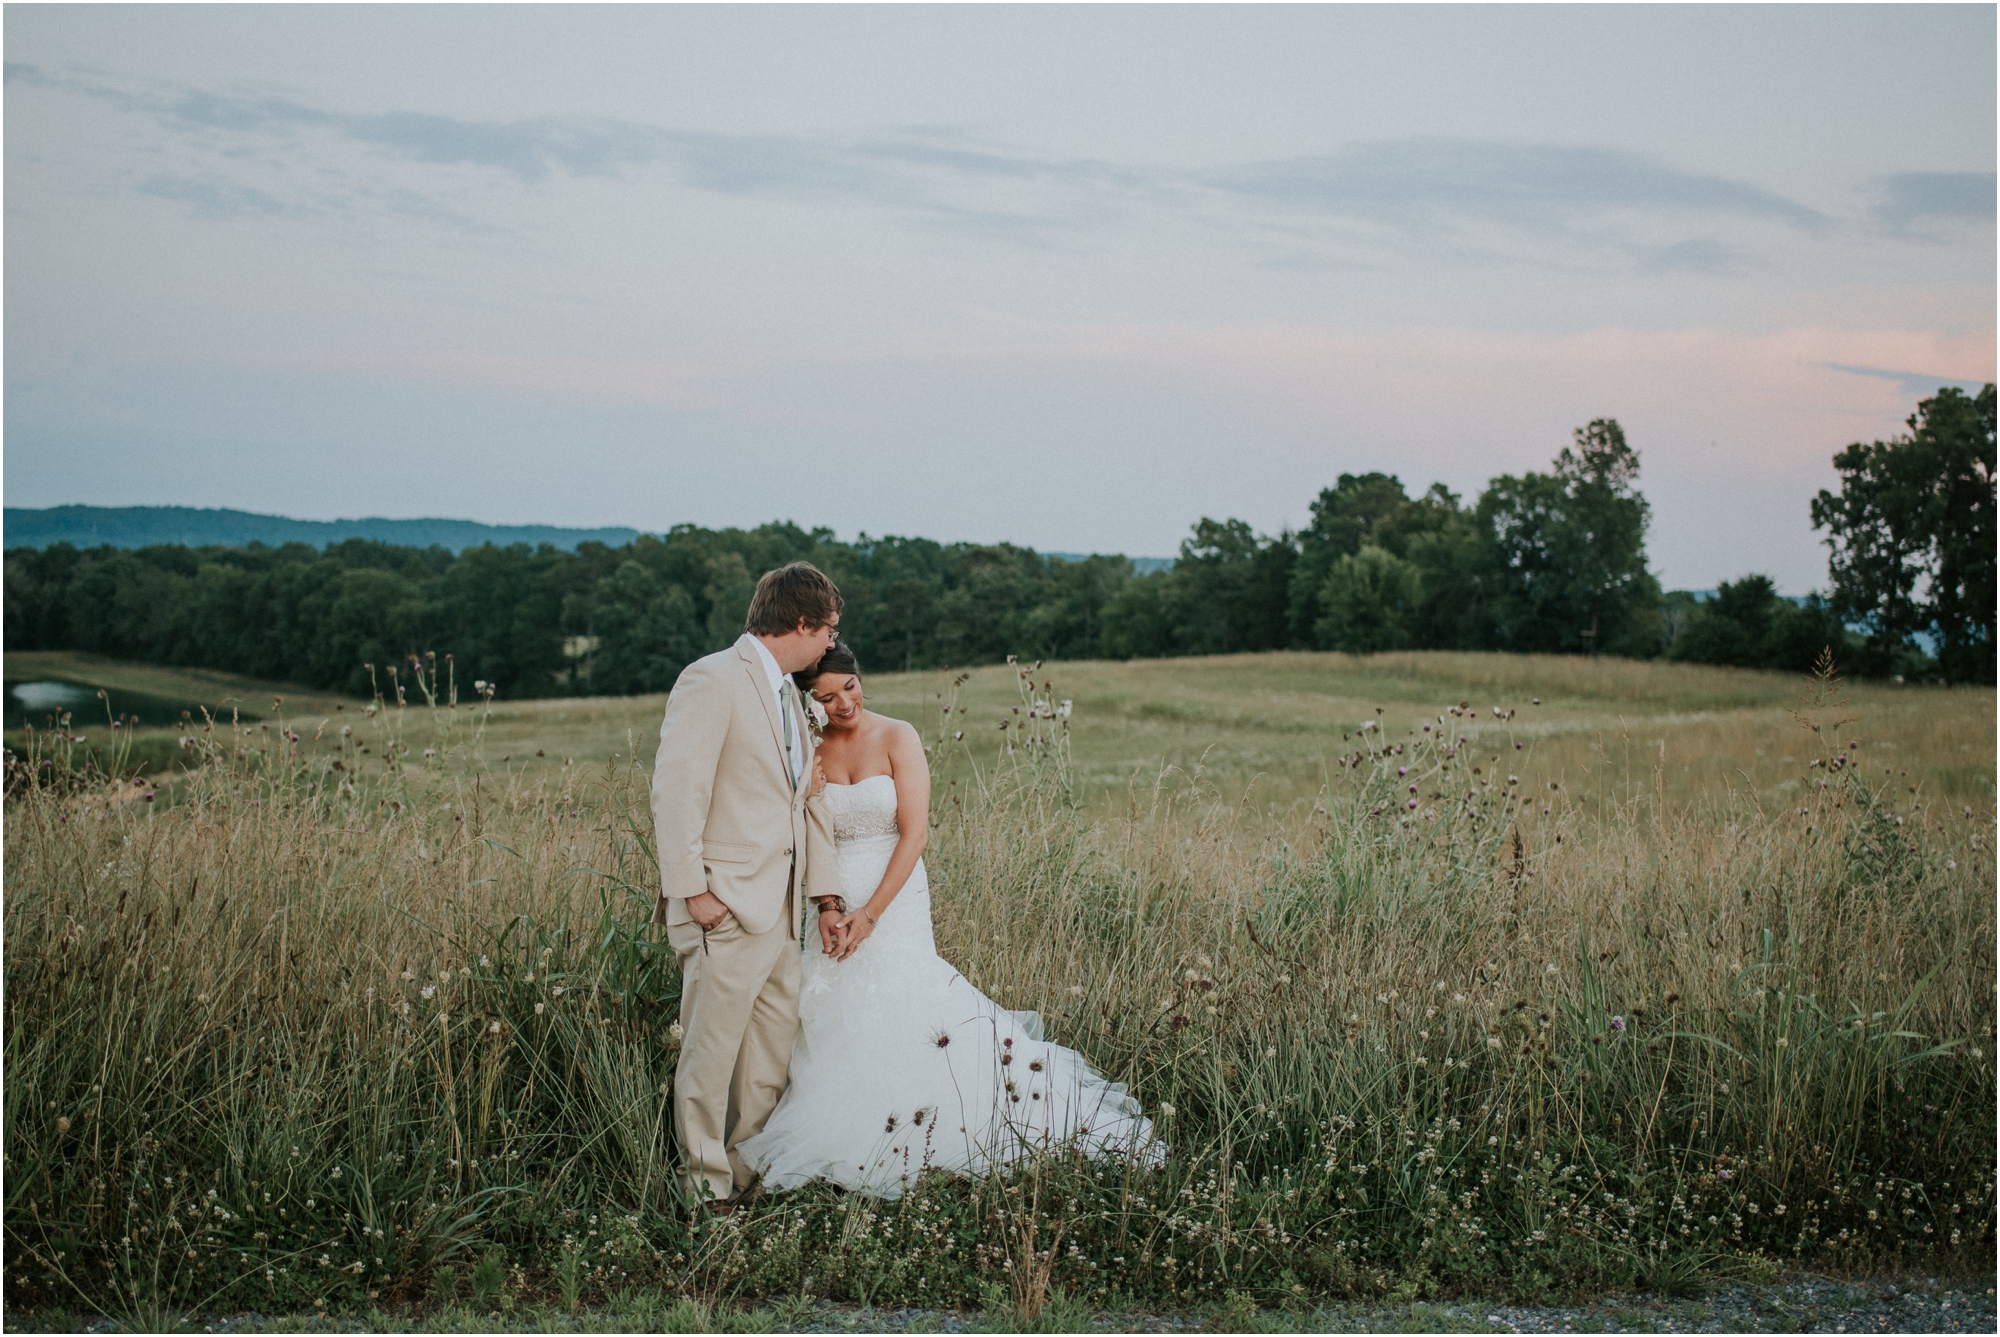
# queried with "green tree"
point(645, 629)
point(1343, 517)
point(1136, 620)
point(1438, 537)
point(1747, 623)
point(1224, 594)
point(1372, 601)
point(1911, 534)
point(1566, 552)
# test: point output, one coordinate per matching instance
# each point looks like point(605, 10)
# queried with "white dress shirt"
point(795, 754)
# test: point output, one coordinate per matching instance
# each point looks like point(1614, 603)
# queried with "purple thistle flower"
point(1618, 1025)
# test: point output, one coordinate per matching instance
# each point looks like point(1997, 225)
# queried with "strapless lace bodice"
point(865, 810)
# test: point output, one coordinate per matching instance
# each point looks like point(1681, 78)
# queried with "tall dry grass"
point(326, 1027)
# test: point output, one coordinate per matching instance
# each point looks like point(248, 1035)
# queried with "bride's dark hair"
point(839, 658)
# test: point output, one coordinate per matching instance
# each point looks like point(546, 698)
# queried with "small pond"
point(38, 702)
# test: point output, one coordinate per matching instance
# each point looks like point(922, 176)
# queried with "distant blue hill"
point(198, 527)
point(144, 526)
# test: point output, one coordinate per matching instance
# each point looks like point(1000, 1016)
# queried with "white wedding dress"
point(901, 1065)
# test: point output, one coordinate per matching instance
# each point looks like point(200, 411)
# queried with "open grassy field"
point(1696, 980)
point(1269, 730)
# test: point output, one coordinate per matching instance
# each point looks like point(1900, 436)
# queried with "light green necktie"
point(785, 707)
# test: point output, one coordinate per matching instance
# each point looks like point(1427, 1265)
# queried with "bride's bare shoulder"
point(893, 735)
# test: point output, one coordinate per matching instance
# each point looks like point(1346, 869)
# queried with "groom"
point(729, 790)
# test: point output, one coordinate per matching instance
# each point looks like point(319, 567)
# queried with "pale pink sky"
point(1073, 277)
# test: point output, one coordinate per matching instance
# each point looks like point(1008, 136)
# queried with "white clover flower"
point(430, 990)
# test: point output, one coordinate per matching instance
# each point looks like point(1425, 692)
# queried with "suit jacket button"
point(788, 854)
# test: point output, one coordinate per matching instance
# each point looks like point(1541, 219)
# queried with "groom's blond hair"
point(798, 592)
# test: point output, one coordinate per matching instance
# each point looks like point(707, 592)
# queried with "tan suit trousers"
point(739, 1017)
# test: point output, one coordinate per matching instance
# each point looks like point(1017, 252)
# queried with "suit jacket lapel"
point(755, 668)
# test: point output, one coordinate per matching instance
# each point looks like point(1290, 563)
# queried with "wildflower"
point(1552, 969)
point(62, 1124)
point(540, 1006)
point(1167, 1112)
point(1271, 1052)
point(484, 962)
point(1618, 1025)
point(430, 990)
point(1492, 1042)
point(494, 1029)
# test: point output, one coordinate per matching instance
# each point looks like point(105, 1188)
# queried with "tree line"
point(1550, 562)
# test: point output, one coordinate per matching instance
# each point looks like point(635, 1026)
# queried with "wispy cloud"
point(1420, 184)
point(1915, 384)
point(1465, 201)
point(217, 199)
point(1911, 200)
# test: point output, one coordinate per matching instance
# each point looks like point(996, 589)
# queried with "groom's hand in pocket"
point(707, 910)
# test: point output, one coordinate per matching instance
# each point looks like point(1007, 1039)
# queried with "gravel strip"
point(1798, 1304)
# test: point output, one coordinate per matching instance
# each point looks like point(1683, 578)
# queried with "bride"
point(901, 1065)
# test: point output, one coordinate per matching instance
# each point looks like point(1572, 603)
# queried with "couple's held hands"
point(848, 930)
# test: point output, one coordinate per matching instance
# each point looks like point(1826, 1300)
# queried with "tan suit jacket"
point(725, 812)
